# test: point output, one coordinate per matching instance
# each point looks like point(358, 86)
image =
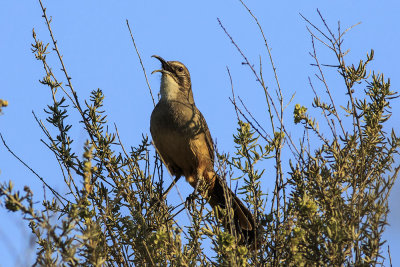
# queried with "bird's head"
point(175, 80)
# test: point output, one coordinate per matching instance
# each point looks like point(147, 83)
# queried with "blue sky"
point(98, 53)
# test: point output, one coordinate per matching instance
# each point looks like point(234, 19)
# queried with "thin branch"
point(390, 257)
point(248, 121)
point(267, 45)
point(141, 63)
point(323, 110)
point(55, 193)
point(315, 27)
point(253, 118)
point(233, 93)
point(326, 86)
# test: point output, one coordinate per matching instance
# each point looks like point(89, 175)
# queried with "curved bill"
point(165, 67)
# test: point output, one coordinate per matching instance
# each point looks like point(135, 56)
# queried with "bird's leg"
point(170, 187)
point(192, 196)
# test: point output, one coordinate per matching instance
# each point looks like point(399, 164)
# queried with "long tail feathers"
point(244, 222)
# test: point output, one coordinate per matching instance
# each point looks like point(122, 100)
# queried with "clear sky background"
point(98, 53)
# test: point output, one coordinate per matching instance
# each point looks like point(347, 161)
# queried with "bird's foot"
point(190, 200)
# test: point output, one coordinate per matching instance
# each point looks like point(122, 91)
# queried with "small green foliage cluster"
point(299, 112)
point(3, 104)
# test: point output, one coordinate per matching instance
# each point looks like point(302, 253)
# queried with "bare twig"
point(258, 124)
point(316, 28)
point(55, 193)
point(327, 87)
point(323, 110)
point(233, 93)
point(141, 63)
point(248, 121)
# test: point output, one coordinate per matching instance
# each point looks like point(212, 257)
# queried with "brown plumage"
point(183, 140)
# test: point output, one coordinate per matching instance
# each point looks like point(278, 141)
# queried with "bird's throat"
point(169, 88)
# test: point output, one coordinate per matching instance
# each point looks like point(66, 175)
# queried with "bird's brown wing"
point(209, 141)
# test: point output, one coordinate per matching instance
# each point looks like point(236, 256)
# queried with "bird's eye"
point(180, 69)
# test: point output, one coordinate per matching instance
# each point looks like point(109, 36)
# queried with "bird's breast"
point(175, 115)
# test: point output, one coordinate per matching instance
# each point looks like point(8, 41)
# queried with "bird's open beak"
point(165, 67)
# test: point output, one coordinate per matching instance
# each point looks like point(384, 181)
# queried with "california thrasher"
point(183, 140)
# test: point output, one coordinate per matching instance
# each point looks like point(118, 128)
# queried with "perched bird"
point(183, 140)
